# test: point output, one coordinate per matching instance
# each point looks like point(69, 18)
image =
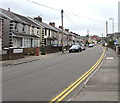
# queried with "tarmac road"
point(43, 79)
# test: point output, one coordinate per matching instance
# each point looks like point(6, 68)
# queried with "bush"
point(111, 44)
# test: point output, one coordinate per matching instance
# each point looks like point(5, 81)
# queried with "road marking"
point(88, 79)
point(69, 89)
point(109, 58)
point(101, 86)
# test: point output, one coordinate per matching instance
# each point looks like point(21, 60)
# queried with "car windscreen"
point(74, 47)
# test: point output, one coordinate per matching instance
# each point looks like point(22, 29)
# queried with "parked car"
point(91, 45)
point(82, 46)
point(75, 48)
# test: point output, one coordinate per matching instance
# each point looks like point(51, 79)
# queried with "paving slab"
point(103, 85)
point(27, 59)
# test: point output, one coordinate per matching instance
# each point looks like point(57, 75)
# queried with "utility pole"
point(113, 27)
point(106, 28)
point(62, 30)
point(102, 38)
point(88, 32)
point(106, 32)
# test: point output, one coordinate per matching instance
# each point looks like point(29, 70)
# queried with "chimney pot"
point(38, 18)
point(8, 9)
point(60, 27)
point(67, 30)
point(52, 24)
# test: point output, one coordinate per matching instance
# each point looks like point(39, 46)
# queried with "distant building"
point(111, 36)
point(96, 38)
point(119, 16)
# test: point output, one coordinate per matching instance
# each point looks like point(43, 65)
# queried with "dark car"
point(75, 48)
point(82, 46)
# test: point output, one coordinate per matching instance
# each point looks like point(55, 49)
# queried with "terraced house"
point(65, 36)
point(69, 38)
point(18, 34)
point(25, 35)
point(50, 36)
point(34, 30)
point(58, 35)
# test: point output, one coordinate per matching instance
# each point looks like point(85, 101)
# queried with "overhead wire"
point(91, 19)
point(71, 20)
point(43, 5)
point(65, 11)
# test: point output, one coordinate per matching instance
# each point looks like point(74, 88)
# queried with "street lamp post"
point(112, 26)
point(62, 30)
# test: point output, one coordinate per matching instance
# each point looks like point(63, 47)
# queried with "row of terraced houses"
point(22, 35)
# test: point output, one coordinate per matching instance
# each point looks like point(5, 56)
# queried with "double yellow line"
point(69, 89)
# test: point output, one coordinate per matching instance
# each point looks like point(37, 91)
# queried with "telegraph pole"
point(106, 32)
point(62, 30)
point(106, 28)
point(102, 38)
point(88, 32)
point(112, 26)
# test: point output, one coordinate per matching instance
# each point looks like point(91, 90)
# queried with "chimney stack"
point(38, 19)
point(67, 30)
point(52, 24)
point(8, 9)
point(60, 27)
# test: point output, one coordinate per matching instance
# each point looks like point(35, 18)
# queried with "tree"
point(87, 36)
point(111, 44)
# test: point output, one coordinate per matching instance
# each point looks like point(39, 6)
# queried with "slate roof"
point(33, 20)
point(49, 27)
point(11, 16)
point(26, 20)
point(65, 32)
point(4, 16)
point(60, 30)
point(45, 25)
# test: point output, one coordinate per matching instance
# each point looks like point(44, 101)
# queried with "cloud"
point(91, 14)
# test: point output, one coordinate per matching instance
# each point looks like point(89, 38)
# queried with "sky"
point(79, 15)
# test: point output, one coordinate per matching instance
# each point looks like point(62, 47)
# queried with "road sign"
point(115, 41)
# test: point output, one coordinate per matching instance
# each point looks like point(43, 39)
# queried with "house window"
point(54, 34)
point(49, 32)
point(16, 25)
point(23, 29)
point(36, 42)
point(15, 42)
point(32, 30)
point(27, 42)
point(45, 32)
point(38, 32)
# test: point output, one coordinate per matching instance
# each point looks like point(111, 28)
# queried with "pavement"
point(27, 59)
point(103, 85)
